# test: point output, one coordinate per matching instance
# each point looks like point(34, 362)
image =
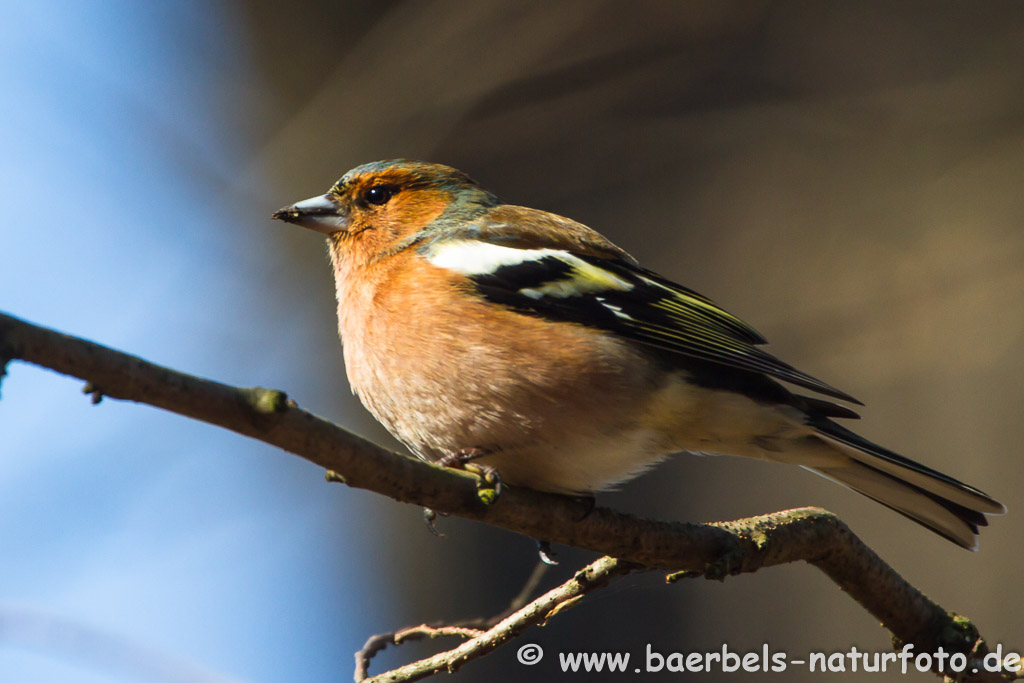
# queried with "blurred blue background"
point(847, 178)
point(139, 545)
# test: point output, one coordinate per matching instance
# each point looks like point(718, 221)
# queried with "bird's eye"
point(379, 194)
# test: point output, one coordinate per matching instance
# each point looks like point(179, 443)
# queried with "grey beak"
point(321, 214)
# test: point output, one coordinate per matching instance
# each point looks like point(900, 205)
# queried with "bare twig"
point(713, 550)
point(469, 628)
point(375, 644)
point(558, 599)
point(515, 604)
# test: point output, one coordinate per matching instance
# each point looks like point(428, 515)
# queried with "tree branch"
point(593, 576)
point(712, 550)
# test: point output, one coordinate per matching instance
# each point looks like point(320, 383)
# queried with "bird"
point(478, 331)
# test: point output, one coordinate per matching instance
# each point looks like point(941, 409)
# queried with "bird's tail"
point(948, 507)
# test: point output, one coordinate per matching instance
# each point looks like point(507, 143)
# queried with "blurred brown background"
point(846, 176)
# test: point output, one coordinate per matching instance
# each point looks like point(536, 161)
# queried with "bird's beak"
point(322, 214)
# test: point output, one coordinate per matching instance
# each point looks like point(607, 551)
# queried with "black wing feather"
point(650, 310)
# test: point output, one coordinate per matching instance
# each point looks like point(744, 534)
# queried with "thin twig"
point(590, 578)
point(468, 628)
point(714, 550)
point(523, 597)
point(375, 644)
point(465, 629)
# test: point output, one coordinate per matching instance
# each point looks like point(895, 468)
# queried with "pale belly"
point(595, 455)
point(567, 441)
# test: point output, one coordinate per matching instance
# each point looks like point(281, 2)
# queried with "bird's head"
point(378, 207)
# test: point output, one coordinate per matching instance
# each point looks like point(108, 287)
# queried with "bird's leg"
point(490, 479)
point(488, 486)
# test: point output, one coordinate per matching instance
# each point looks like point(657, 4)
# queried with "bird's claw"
point(489, 484)
point(429, 517)
point(547, 555)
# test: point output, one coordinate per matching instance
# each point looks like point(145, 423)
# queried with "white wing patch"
point(471, 257)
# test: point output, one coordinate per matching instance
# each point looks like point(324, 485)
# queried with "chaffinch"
point(474, 329)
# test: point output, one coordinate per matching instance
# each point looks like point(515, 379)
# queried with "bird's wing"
point(586, 279)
